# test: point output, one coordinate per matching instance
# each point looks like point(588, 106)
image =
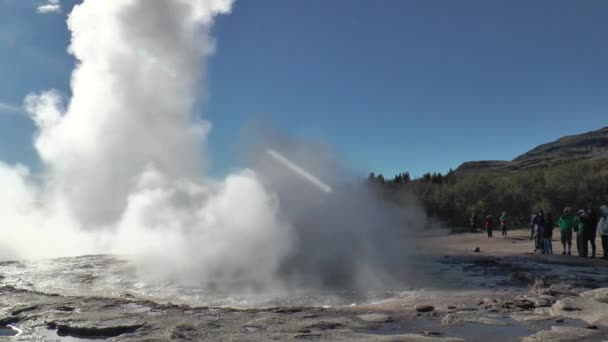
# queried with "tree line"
point(454, 196)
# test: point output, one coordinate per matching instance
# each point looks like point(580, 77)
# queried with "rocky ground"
point(502, 293)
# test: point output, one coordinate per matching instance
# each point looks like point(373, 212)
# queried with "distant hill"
point(569, 172)
point(590, 145)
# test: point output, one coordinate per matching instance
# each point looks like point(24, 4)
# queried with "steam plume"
point(123, 160)
point(124, 170)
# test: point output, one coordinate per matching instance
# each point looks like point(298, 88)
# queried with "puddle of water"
point(486, 332)
point(206, 317)
point(52, 335)
point(473, 332)
point(8, 331)
point(135, 308)
point(512, 331)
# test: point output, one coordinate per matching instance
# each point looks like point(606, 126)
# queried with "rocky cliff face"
point(590, 145)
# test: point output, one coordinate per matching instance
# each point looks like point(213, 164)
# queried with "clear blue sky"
point(392, 85)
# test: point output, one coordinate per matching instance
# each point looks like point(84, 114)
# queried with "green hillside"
point(571, 171)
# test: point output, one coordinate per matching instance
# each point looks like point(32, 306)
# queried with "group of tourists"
point(489, 224)
point(584, 224)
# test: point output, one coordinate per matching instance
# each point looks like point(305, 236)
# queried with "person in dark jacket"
point(602, 227)
point(548, 234)
point(539, 224)
point(504, 223)
point(580, 222)
point(489, 225)
point(591, 230)
point(532, 226)
point(473, 222)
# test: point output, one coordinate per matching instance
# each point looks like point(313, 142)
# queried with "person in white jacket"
point(602, 227)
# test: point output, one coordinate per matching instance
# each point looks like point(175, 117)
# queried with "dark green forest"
point(452, 197)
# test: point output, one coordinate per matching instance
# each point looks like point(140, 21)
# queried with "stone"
point(466, 317)
point(326, 326)
point(583, 308)
point(405, 338)
point(110, 328)
point(24, 309)
point(424, 308)
point(183, 331)
point(561, 333)
point(524, 304)
point(529, 317)
point(543, 301)
point(289, 310)
point(265, 322)
point(375, 318)
point(543, 311)
point(599, 295)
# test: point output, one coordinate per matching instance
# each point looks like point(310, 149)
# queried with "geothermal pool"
point(115, 276)
point(106, 275)
point(475, 297)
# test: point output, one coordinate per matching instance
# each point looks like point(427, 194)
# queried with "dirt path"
point(517, 243)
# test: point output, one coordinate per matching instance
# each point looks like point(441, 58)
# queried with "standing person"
point(532, 226)
point(473, 222)
point(548, 234)
point(503, 223)
point(602, 226)
point(539, 224)
point(489, 224)
point(566, 222)
point(580, 221)
point(591, 230)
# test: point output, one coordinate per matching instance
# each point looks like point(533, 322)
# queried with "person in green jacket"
point(566, 223)
point(580, 222)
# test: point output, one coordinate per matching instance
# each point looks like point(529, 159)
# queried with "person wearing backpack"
point(602, 227)
point(591, 230)
point(548, 234)
point(580, 222)
point(566, 222)
point(532, 220)
point(504, 222)
point(539, 224)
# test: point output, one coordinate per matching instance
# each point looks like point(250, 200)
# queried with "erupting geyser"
point(123, 170)
point(123, 160)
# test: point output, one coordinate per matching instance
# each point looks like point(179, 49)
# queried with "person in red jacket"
point(489, 225)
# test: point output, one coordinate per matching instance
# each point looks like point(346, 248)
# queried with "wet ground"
point(503, 293)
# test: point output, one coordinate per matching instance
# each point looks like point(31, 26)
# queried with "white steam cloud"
point(8, 108)
point(51, 6)
point(123, 169)
point(123, 157)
